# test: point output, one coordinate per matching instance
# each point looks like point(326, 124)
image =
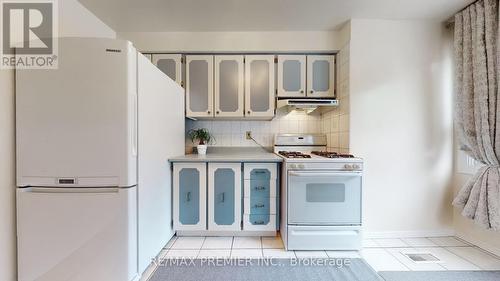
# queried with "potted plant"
point(203, 136)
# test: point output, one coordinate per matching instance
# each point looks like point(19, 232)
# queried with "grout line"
point(404, 265)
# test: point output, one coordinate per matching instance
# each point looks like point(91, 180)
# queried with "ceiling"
point(260, 15)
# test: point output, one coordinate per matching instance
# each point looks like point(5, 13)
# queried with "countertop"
point(231, 154)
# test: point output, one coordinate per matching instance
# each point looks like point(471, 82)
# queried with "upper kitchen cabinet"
point(170, 64)
point(259, 86)
point(199, 86)
point(291, 76)
point(229, 89)
point(321, 76)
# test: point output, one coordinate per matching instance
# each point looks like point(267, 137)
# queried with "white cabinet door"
point(170, 64)
point(224, 196)
point(291, 76)
point(189, 196)
point(259, 86)
point(199, 86)
point(229, 86)
point(320, 76)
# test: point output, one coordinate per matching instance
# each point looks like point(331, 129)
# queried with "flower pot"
point(202, 149)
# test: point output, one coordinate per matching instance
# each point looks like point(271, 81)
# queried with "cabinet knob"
point(301, 91)
point(312, 91)
point(208, 112)
point(248, 112)
point(217, 112)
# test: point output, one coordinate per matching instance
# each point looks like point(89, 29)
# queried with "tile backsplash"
point(232, 133)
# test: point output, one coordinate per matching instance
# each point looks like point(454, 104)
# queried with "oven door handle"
point(330, 174)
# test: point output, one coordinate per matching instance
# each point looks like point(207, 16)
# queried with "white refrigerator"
point(94, 185)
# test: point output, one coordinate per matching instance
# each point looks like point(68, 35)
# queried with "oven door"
point(324, 198)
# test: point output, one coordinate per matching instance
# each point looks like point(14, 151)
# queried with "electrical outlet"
point(249, 135)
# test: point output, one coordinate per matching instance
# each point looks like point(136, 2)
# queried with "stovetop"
point(305, 148)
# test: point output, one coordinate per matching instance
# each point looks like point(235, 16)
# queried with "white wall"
point(401, 124)
point(74, 20)
point(234, 41)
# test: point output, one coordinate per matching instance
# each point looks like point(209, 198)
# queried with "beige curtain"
point(478, 109)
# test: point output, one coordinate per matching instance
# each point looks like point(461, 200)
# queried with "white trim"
point(281, 90)
point(236, 167)
point(408, 234)
point(270, 60)
point(210, 91)
point(481, 244)
point(330, 92)
point(239, 111)
point(201, 167)
point(225, 233)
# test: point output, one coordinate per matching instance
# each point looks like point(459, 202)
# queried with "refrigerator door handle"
point(134, 133)
point(71, 190)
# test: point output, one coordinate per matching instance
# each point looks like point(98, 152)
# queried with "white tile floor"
point(381, 254)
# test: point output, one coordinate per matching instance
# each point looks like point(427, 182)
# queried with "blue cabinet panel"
point(189, 196)
point(224, 196)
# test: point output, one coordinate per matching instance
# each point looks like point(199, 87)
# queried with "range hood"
point(308, 105)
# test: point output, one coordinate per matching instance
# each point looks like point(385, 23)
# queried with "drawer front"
point(260, 205)
point(260, 188)
point(259, 222)
point(324, 237)
point(259, 171)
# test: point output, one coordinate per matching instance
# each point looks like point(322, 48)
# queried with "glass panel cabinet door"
point(291, 75)
point(259, 86)
point(199, 86)
point(224, 196)
point(170, 64)
point(321, 76)
point(229, 86)
point(189, 196)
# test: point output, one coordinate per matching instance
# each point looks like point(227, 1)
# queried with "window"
point(466, 164)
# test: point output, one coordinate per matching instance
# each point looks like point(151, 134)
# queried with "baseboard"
point(481, 244)
point(408, 234)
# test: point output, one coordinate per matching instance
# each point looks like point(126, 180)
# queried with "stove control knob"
point(348, 167)
point(301, 166)
point(356, 167)
point(293, 166)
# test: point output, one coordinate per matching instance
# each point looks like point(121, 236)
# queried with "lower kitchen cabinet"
point(260, 196)
point(224, 196)
point(189, 198)
point(210, 198)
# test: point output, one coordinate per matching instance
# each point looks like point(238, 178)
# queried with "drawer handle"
point(259, 205)
point(260, 188)
point(223, 197)
point(259, 172)
point(258, 222)
point(188, 196)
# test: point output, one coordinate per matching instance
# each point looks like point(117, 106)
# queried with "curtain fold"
point(477, 116)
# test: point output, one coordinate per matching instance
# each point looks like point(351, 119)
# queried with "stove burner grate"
point(294, 154)
point(328, 154)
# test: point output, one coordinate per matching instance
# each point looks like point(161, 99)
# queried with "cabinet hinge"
point(244, 60)
point(182, 59)
point(275, 60)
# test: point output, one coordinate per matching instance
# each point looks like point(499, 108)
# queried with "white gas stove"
point(320, 195)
